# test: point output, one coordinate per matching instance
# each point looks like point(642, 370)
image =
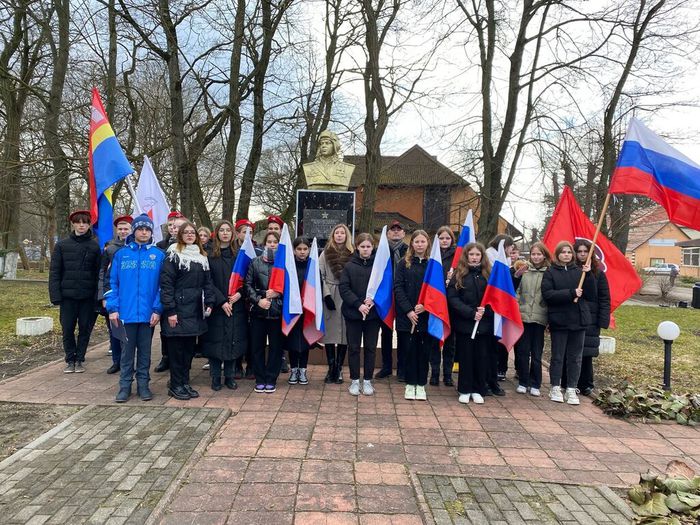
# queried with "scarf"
point(337, 259)
point(188, 255)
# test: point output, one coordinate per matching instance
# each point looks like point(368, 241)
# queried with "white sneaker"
point(410, 392)
point(354, 387)
point(555, 394)
point(572, 397)
point(521, 389)
point(535, 392)
point(420, 393)
point(464, 398)
point(477, 399)
point(367, 388)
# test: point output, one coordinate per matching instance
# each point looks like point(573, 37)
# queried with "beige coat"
point(335, 324)
point(533, 309)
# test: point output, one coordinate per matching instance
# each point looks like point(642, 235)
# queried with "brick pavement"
point(312, 454)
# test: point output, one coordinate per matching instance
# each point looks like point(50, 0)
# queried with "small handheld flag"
point(312, 299)
point(107, 165)
point(245, 256)
point(380, 288)
point(283, 280)
point(466, 236)
point(433, 296)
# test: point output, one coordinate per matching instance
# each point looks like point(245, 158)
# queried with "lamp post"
point(669, 332)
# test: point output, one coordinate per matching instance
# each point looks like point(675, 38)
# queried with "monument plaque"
point(319, 210)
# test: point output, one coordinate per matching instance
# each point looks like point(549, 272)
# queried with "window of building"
point(691, 256)
point(656, 260)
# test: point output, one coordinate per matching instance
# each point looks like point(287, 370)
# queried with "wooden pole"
point(595, 238)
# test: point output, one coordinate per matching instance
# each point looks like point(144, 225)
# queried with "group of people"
point(183, 284)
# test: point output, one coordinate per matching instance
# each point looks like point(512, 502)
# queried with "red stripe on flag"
point(502, 303)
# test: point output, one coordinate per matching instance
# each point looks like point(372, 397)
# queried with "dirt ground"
point(21, 423)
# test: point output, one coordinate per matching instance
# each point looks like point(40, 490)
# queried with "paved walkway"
point(314, 454)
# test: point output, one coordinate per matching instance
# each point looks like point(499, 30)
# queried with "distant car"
point(661, 269)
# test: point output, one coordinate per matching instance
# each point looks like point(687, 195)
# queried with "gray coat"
point(335, 324)
point(533, 308)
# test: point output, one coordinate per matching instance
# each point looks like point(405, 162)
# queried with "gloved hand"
point(329, 302)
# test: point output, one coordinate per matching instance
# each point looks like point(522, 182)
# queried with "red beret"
point(243, 222)
point(123, 218)
point(72, 216)
point(175, 215)
point(276, 220)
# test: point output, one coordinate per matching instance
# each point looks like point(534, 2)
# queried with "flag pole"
point(130, 187)
point(595, 238)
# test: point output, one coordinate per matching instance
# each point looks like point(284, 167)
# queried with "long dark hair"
point(181, 241)
point(216, 243)
point(463, 264)
point(594, 258)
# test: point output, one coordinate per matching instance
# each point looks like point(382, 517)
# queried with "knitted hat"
point(142, 221)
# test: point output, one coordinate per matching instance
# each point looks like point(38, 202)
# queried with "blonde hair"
point(331, 245)
point(544, 250)
point(410, 253)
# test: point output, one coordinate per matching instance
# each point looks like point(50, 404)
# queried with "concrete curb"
point(423, 506)
point(194, 458)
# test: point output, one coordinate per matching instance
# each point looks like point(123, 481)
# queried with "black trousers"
point(447, 355)
point(299, 359)
point(567, 346)
point(492, 362)
point(264, 330)
point(387, 348)
point(528, 355)
point(585, 379)
point(359, 332)
point(164, 345)
point(80, 312)
point(215, 367)
point(181, 353)
point(420, 347)
point(472, 356)
point(502, 354)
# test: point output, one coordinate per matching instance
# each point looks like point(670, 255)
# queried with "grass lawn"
point(639, 353)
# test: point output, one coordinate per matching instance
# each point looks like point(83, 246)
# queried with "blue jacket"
point(134, 281)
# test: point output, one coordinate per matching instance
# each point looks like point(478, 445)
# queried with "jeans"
point(357, 333)
point(138, 346)
point(80, 312)
point(181, 350)
point(420, 347)
point(115, 345)
point(567, 345)
point(472, 356)
point(447, 355)
point(528, 355)
point(263, 330)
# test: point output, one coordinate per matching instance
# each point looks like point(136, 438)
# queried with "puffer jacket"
point(533, 308)
point(353, 287)
point(134, 278)
point(447, 256)
point(256, 284)
point(558, 289)
point(75, 267)
point(407, 285)
point(597, 292)
point(464, 301)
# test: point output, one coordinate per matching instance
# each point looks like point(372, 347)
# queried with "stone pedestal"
point(607, 345)
point(8, 265)
point(34, 325)
point(318, 211)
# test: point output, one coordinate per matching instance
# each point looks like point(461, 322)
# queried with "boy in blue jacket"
point(134, 298)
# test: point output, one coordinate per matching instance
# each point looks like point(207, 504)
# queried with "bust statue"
point(328, 171)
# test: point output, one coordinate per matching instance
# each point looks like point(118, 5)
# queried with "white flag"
point(152, 199)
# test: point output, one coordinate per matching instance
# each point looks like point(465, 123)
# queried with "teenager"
point(361, 319)
point(75, 265)
point(204, 235)
point(533, 310)
point(464, 294)
point(226, 338)
point(446, 238)
point(295, 342)
point(187, 295)
point(275, 224)
point(134, 300)
point(338, 251)
point(122, 225)
point(242, 227)
point(411, 316)
point(265, 318)
point(568, 316)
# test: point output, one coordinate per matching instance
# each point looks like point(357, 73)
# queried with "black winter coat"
point(295, 341)
point(353, 287)
point(75, 267)
point(447, 256)
point(597, 293)
point(226, 337)
point(464, 301)
point(558, 290)
point(256, 283)
point(181, 293)
point(107, 255)
point(165, 243)
point(407, 285)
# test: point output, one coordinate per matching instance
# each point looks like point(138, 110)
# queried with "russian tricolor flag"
point(649, 166)
point(466, 236)
point(283, 280)
point(433, 295)
point(245, 256)
point(500, 295)
point(380, 288)
point(312, 299)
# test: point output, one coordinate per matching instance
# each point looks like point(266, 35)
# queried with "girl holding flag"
point(295, 342)
point(447, 251)
point(464, 295)
point(411, 317)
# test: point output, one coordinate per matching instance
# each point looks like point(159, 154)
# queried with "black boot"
point(339, 360)
point(216, 383)
point(434, 378)
point(163, 365)
point(238, 368)
point(230, 383)
point(332, 374)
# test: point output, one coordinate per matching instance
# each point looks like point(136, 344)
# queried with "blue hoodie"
point(134, 279)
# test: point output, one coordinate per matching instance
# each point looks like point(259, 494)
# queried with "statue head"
point(328, 144)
